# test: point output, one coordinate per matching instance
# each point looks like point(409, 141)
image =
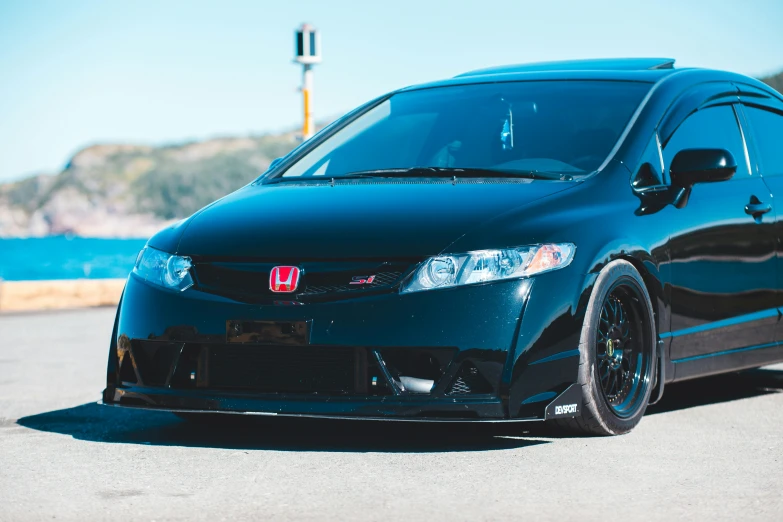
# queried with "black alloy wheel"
point(617, 354)
point(621, 354)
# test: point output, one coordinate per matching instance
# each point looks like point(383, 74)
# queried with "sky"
point(80, 72)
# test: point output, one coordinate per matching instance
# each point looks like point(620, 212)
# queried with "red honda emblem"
point(284, 279)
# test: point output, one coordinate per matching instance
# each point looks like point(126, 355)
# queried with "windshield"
point(566, 127)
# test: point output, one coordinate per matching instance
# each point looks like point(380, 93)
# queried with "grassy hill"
point(128, 190)
point(132, 191)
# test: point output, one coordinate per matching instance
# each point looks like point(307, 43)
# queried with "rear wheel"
point(617, 354)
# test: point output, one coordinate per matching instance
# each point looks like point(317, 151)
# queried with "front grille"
point(233, 279)
point(283, 369)
point(382, 279)
point(250, 281)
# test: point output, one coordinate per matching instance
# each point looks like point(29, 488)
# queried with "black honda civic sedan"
point(546, 242)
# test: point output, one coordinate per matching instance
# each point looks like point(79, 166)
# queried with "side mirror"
point(691, 166)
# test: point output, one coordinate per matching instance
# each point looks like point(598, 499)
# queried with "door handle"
point(756, 208)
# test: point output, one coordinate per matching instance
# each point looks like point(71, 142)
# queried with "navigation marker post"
point(308, 53)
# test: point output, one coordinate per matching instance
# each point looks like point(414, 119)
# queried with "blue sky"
point(73, 73)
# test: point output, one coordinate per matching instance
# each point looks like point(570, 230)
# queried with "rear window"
point(554, 126)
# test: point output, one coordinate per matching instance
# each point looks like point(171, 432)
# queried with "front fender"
point(545, 358)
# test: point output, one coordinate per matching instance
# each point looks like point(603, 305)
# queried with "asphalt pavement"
point(710, 451)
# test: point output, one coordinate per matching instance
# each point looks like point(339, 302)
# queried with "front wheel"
point(617, 354)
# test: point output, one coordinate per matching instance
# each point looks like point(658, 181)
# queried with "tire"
point(616, 372)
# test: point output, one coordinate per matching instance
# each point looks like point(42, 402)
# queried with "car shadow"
point(718, 389)
point(96, 423)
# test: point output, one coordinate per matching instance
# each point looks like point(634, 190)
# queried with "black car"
point(537, 242)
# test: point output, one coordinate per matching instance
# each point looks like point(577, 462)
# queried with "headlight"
point(488, 265)
point(164, 269)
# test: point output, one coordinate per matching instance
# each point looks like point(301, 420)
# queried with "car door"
point(722, 251)
point(763, 117)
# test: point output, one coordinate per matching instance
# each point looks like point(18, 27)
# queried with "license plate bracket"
point(294, 333)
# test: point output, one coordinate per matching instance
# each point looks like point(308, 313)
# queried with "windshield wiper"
point(438, 172)
point(458, 172)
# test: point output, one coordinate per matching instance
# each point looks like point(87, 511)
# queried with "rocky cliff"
point(133, 191)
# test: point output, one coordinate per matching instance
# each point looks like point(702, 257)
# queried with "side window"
point(767, 129)
point(710, 128)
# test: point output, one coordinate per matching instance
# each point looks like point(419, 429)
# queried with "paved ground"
point(710, 452)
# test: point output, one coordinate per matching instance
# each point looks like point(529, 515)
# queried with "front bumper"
point(172, 351)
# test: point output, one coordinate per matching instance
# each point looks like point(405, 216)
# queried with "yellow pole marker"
point(307, 129)
point(307, 89)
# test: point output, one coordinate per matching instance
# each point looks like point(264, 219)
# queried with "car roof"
point(600, 64)
point(648, 70)
point(647, 76)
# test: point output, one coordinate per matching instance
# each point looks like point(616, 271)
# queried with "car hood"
point(352, 220)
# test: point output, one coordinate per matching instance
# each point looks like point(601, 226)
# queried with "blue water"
point(63, 257)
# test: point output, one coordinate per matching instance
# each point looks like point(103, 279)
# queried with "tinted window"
point(768, 134)
point(556, 126)
point(711, 128)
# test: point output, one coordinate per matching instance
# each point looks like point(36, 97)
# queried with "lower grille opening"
point(187, 368)
point(273, 369)
point(469, 381)
point(154, 360)
point(282, 369)
point(306, 369)
point(127, 374)
point(416, 370)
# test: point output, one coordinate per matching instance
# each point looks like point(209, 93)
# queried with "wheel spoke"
point(605, 380)
point(619, 322)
